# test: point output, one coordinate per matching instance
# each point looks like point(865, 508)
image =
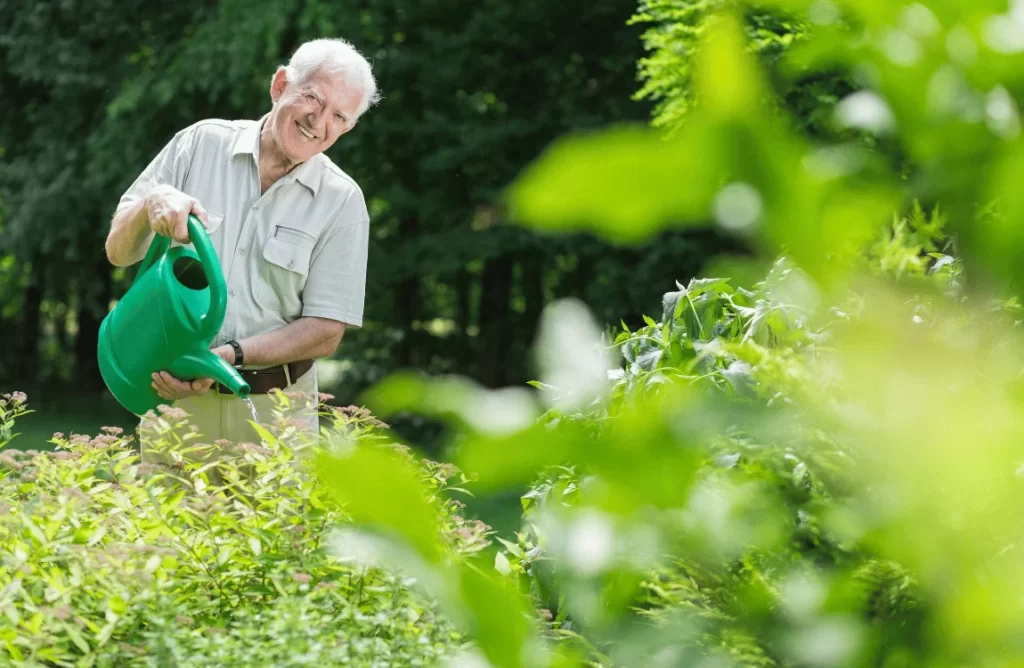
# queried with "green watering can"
point(166, 321)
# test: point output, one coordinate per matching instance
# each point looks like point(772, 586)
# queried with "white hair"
point(335, 56)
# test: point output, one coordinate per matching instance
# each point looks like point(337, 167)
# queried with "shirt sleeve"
point(169, 167)
point(336, 283)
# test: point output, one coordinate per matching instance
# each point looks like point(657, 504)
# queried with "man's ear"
point(278, 83)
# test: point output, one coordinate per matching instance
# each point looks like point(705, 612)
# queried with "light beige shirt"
point(298, 250)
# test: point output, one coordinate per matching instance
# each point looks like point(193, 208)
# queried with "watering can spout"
point(207, 364)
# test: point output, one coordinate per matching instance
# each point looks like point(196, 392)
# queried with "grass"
point(58, 409)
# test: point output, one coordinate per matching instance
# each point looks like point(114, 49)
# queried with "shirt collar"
point(309, 173)
point(248, 140)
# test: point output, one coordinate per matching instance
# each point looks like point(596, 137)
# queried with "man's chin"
point(296, 157)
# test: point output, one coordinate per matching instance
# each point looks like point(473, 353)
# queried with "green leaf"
point(34, 530)
point(76, 638)
point(648, 360)
point(699, 286)
point(501, 462)
point(13, 650)
point(380, 489)
point(224, 554)
point(498, 616)
point(511, 547)
point(501, 563)
point(623, 184)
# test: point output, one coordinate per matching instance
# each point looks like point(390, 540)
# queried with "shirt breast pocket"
point(283, 267)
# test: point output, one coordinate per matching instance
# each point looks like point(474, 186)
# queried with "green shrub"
point(759, 517)
point(762, 478)
point(107, 561)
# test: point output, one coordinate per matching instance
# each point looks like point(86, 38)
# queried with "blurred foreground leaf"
point(382, 490)
point(734, 162)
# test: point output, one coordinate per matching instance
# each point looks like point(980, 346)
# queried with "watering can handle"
point(211, 268)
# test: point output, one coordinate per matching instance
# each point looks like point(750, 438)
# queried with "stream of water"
point(252, 409)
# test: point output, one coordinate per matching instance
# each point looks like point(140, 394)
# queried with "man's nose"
point(316, 117)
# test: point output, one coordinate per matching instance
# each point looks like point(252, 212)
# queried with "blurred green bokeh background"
point(471, 94)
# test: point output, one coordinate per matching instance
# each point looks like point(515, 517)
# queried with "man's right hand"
point(168, 208)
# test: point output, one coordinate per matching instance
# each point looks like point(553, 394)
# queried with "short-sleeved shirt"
point(300, 249)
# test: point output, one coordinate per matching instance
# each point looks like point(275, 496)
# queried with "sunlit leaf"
point(498, 617)
point(381, 490)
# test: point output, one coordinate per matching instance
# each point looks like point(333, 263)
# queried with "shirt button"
point(290, 263)
point(231, 293)
point(241, 251)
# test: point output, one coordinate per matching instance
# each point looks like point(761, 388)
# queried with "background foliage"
point(471, 94)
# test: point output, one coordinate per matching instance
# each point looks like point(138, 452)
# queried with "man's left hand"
point(172, 389)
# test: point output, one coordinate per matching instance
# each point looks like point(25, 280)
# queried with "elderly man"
point(290, 228)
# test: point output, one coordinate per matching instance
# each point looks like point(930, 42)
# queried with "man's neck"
point(273, 164)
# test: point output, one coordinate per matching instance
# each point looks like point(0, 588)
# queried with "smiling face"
point(308, 118)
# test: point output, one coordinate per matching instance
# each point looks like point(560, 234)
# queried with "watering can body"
point(166, 321)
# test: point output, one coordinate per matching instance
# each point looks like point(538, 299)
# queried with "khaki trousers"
point(225, 417)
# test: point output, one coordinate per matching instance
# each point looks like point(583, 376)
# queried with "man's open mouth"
point(305, 133)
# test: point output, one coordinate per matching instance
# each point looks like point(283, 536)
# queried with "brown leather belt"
point(262, 381)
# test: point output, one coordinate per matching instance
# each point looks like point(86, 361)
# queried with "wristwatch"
point(239, 357)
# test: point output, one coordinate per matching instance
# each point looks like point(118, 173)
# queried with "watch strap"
point(239, 357)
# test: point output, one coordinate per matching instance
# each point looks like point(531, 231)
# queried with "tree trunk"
point(94, 294)
point(463, 286)
point(406, 300)
point(496, 287)
point(533, 294)
point(577, 283)
point(27, 364)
